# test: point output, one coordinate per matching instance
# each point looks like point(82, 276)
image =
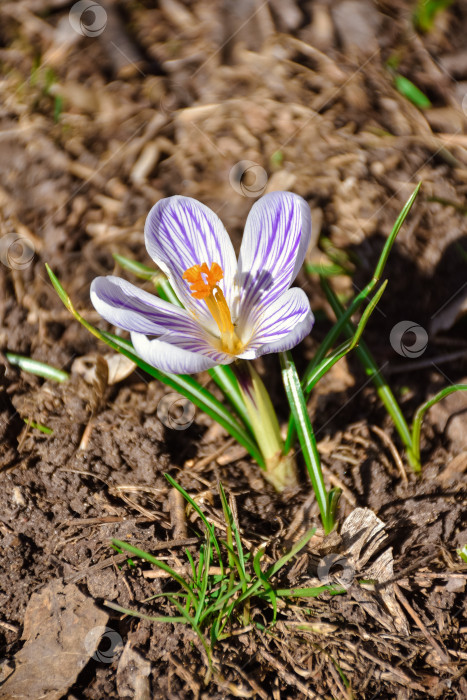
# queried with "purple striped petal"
point(131, 308)
point(277, 235)
point(181, 232)
point(283, 324)
point(177, 355)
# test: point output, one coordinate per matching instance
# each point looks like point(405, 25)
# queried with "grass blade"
point(418, 418)
point(343, 349)
point(298, 546)
point(136, 268)
point(38, 426)
point(338, 327)
point(306, 436)
point(407, 88)
point(204, 582)
point(268, 589)
point(160, 564)
point(372, 370)
point(308, 592)
point(142, 616)
point(40, 369)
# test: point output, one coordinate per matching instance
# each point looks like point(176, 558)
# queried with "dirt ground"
point(102, 115)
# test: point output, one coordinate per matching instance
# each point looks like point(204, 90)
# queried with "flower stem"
point(280, 469)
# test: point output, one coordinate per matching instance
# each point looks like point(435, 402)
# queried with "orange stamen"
point(203, 283)
point(201, 287)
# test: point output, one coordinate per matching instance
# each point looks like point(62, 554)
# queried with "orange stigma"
point(203, 283)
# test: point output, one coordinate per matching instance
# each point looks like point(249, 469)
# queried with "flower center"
point(203, 285)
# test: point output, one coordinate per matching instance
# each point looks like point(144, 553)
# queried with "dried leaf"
point(57, 627)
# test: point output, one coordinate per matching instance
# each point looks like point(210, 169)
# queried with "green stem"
point(280, 468)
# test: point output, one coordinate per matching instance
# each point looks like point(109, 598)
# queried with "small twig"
point(335, 481)
point(177, 514)
point(103, 520)
point(83, 445)
point(408, 570)
point(119, 558)
point(158, 573)
point(444, 658)
point(393, 450)
point(257, 688)
point(9, 626)
point(288, 677)
point(403, 677)
point(205, 461)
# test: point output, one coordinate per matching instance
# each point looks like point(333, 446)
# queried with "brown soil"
point(168, 99)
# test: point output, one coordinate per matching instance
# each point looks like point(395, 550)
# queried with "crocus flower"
point(231, 310)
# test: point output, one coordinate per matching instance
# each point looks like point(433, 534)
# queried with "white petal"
point(172, 359)
point(283, 324)
point(180, 232)
point(277, 235)
point(124, 305)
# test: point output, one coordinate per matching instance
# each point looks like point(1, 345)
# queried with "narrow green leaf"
point(298, 546)
point(58, 288)
point(142, 616)
point(228, 526)
point(411, 91)
point(393, 235)
point(40, 369)
point(418, 418)
point(310, 381)
point(330, 270)
point(165, 291)
point(227, 383)
point(308, 592)
point(372, 370)
point(426, 11)
point(160, 564)
point(313, 377)
point(306, 436)
point(37, 426)
point(366, 315)
point(269, 591)
point(136, 268)
point(238, 540)
point(195, 626)
point(204, 582)
point(338, 327)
